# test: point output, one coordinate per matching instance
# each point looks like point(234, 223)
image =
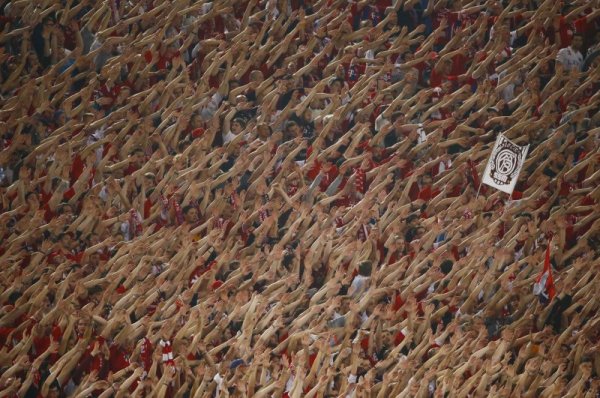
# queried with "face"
point(336, 87)
point(67, 241)
point(124, 94)
point(399, 122)
point(534, 84)
point(382, 84)
point(138, 157)
point(577, 42)
point(68, 210)
point(411, 77)
point(294, 129)
point(180, 162)
point(94, 259)
point(82, 326)
point(263, 132)
point(277, 202)
point(236, 127)
point(33, 201)
point(195, 121)
point(192, 215)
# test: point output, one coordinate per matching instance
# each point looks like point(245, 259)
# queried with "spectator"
point(282, 198)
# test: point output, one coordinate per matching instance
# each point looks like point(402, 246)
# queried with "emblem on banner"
point(505, 162)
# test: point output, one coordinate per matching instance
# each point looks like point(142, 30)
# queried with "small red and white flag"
point(544, 285)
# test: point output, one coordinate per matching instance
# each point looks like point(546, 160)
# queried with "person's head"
point(335, 86)
point(54, 391)
point(382, 83)
point(293, 129)
point(238, 125)
point(533, 83)
point(190, 214)
point(365, 268)
point(296, 94)
point(577, 42)
point(412, 220)
point(195, 121)
point(446, 66)
point(49, 22)
point(361, 116)
point(398, 119)
point(32, 200)
point(25, 172)
point(94, 259)
point(446, 266)
point(180, 162)
point(426, 179)
point(411, 76)
point(82, 325)
point(32, 59)
point(256, 76)
point(124, 94)
point(263, 131)
point(67, 240)
point(277, 202)
point(67, 209)
point(137, 157)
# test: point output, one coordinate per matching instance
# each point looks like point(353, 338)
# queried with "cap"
point(197, 132)
point(236, 362)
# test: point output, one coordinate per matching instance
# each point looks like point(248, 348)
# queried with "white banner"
point(504, 165)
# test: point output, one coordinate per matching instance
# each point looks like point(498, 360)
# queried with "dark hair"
point(364, 268)
point(28, 194)
point(13, 297)
point(446, 266)
point(187, 208)
point(61, 208)
point(411, 218)
point(397, 115)
point(63, 234)
point(239, 120)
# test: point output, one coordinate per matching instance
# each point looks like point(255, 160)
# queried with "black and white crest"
point(504, 165)
point(505, 162)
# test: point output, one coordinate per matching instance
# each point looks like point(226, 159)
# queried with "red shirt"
point(352, 72)
point(119, 358)
point(146, 353)
point(427, 193)
point(41, 344)
point(328, 178)
point(567, 29)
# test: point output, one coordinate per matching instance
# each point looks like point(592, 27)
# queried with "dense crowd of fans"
point(282, 198)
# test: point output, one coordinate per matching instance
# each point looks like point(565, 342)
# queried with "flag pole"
point(478, 189)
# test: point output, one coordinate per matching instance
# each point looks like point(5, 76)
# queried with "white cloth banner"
point(505, 164)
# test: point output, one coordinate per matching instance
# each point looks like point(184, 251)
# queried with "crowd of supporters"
point(283, 198)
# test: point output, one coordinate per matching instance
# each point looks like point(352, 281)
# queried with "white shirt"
point(380, 122)
point(227, 138)
point(358, 284)
point(570, 58)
